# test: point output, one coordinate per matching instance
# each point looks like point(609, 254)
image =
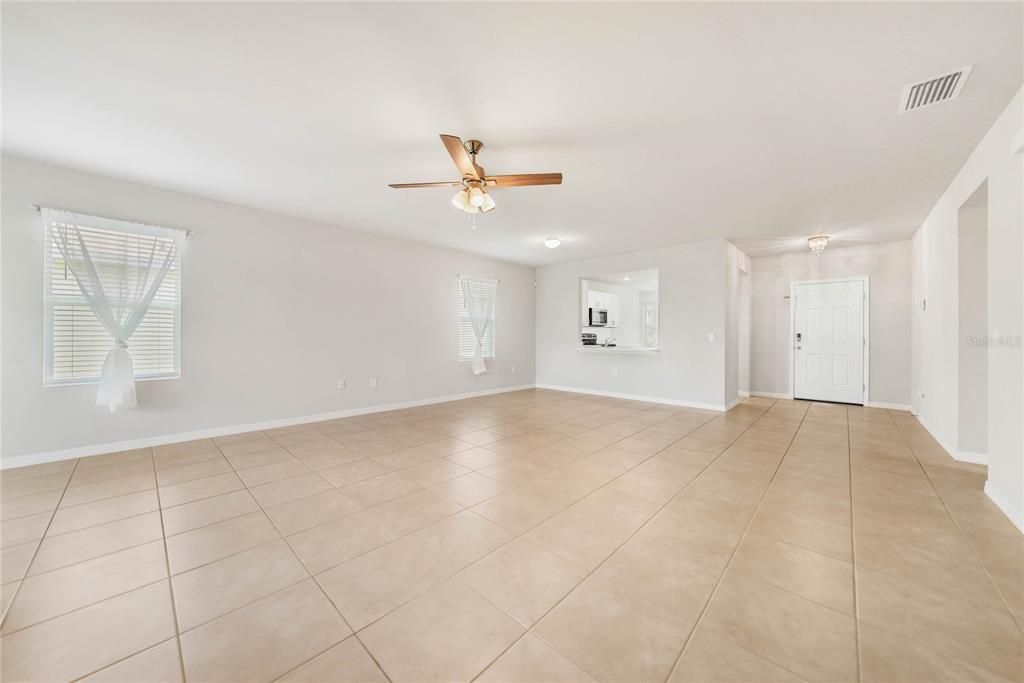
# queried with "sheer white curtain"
point(118, 288)
point(478, 298)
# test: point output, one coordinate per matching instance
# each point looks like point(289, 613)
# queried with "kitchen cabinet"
point(613, 304)
point(608, 301)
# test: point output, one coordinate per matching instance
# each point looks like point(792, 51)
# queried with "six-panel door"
point(828, 341)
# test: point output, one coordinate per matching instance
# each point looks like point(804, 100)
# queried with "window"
point(485, 293)
point(76, 344)
point(650, 313)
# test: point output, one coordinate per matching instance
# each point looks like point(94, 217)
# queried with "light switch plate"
point(711, 337)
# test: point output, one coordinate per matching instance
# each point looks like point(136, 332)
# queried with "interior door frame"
point(867, 329)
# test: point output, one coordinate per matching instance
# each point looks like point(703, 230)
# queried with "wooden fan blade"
point(402, 186)
point(521, 179)
point(460, 156)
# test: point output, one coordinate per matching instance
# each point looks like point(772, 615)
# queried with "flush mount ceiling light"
point(552, 242)
point(817, 244)
point(473, 197)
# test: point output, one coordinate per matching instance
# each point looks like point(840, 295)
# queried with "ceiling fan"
point(473, 197)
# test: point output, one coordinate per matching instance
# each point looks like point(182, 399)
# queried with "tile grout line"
point(452, 575)
point(167, 564)
point(203, 526)
point(463, 508)
point(529, 629)
point(967, 540)
point(309, 576)
point(39, 544)
point(446, 517)
point(127, 657)
point(853, 544)
point(469, 508)
point(281, 537)
point(732, 554)
point(674, 496)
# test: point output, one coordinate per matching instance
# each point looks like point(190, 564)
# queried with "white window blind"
point(467, 339)
point(76, 344)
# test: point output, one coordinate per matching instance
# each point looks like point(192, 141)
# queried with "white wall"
point(972, 229)
point(275, 310)
point(745, 312)
point(888, 267)
point(736, 261)
point(687, 369)
point(936, 330)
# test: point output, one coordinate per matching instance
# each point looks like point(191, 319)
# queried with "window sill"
point(79, 382)
point(627, 350)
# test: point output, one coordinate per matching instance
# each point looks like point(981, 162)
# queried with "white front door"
point(828, 341)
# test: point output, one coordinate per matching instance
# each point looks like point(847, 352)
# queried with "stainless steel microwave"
point(598, 317)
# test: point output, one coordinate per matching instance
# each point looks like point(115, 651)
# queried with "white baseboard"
point(733, 403)
point(743, 394)
point(888, 406)
point(967, 456)
point(962, 456)
point(636, 397)
point(771, 394)
point(147, 442)
point(1012, 514)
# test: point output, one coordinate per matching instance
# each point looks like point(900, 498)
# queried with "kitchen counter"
point(632, 350)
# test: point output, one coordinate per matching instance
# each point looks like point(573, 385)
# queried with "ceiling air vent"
point(934, 90)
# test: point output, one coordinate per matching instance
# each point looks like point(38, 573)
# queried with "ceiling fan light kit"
point(476, 197)
point(473, 197)
point(461, 200)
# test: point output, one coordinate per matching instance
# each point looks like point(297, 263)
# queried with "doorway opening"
point(972, 288)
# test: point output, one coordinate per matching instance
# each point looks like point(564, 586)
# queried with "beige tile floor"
point(529, 536)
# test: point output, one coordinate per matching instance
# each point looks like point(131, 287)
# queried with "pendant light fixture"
point(817, 244)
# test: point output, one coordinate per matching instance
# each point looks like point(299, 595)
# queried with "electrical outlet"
point(513, 369)
point(373, 382)
point(341, 384)
point(615, 372)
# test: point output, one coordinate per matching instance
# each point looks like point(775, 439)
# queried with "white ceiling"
point(671, 122)
point(846, 237)
point(640, 280)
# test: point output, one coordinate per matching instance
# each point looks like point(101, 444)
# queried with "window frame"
point(51, 300)
point(461, 311)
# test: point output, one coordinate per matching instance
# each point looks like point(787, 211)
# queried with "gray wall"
point(687, 369)
point(275, 309)
point(887, 265)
